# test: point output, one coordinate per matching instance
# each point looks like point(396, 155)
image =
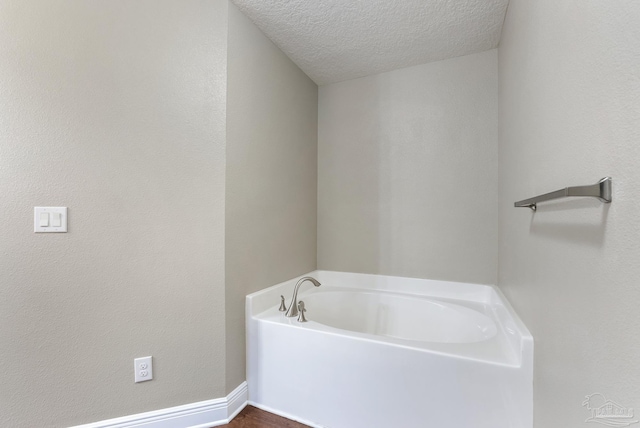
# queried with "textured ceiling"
point(335, 40)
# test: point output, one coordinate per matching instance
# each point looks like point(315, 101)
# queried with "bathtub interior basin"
point(397, 316)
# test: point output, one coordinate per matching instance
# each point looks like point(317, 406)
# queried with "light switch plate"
point(50, 228)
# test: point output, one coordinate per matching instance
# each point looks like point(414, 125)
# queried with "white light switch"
point(56, 220)
point(50, 219)
point(44, 220)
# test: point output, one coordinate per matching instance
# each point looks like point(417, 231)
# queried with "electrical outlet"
point(143, 369)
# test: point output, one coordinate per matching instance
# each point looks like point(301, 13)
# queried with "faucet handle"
point(301, 311)
point(283, 307)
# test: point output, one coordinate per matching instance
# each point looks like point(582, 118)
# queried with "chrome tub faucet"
point(293, 308)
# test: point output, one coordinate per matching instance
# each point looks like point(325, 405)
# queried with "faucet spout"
point(293, 309)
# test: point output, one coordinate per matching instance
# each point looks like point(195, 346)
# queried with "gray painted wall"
point(569, 115)
point(121, 115)
point(115, 109)
point(271, 184)
point(408, 172)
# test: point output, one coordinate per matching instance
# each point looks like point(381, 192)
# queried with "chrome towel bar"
point(600, 190)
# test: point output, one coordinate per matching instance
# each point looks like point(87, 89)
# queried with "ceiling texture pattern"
point(336, 40)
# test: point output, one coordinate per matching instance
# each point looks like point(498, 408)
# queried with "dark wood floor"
point(251, 417)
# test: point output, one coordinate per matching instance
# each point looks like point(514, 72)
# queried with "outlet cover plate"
point(143, 369)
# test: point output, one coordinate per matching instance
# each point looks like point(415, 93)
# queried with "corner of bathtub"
point(518, 334)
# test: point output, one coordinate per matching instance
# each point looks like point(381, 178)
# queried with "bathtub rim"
point(521, 342)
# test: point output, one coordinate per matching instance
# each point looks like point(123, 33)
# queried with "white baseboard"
point(203, 414)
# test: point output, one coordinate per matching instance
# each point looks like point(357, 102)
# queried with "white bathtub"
point(390, 352)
